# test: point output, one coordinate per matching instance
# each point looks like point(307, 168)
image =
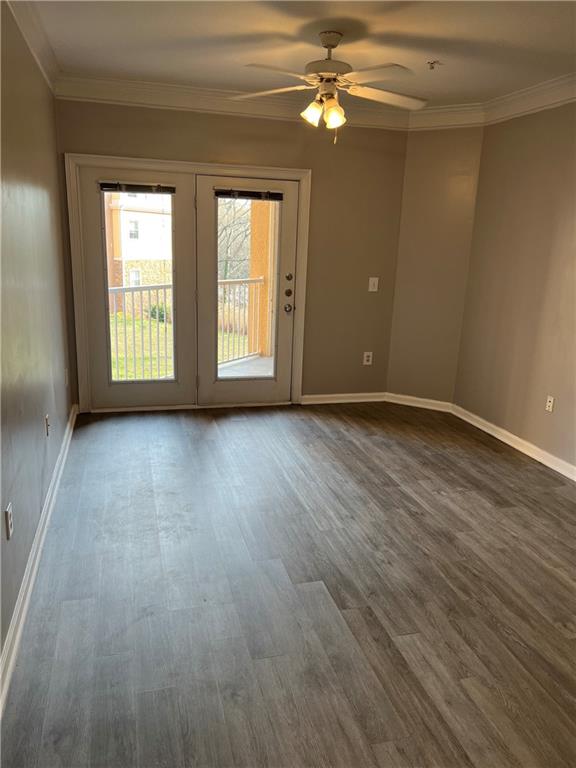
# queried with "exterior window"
point(140, 290)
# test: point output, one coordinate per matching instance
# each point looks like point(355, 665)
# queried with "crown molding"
point(546, 95)
point(456, 116)
point(551, 93)
point(190, 98)
point(28, 21)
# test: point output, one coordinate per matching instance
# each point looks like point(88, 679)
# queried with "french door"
point(137, 247)
point(184, 288)
point(246, 267)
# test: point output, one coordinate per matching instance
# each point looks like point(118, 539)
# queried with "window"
point(141, 309)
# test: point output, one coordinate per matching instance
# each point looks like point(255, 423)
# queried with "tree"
point(234, 217)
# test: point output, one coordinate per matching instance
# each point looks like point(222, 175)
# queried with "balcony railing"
point(142, 330)
point(239, 307)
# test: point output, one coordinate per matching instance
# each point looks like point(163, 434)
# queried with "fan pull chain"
point(335, 136)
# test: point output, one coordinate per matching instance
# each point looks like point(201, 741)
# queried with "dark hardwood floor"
point(355, 586)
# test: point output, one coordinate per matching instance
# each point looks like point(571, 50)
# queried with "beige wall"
point(354, 223)
point(440, 182)
point(518, 340)
point(33, 304)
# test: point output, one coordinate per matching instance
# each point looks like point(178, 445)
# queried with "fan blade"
point(372, 74)
point(243, 96)
point(386, 97)
point(278, 69)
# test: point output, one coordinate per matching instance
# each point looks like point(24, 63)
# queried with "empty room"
point(288, 370)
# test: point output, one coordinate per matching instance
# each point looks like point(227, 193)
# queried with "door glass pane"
point(247, 287)
point(140, 291)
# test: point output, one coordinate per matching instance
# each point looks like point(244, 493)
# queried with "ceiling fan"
point(328, 76)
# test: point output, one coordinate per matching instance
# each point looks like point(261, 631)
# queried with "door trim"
point(75, 162)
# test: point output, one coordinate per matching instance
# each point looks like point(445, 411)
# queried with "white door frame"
point(75, 162)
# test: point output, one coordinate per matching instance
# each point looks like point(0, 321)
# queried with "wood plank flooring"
point(363, 586)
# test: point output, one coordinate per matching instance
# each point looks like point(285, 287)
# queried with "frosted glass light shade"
point(313, 112)
point(334, 115)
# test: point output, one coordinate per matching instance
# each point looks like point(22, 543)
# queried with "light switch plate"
point(373, 284)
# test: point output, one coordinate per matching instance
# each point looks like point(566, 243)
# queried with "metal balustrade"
point(239, 318)
point(141, 332)
point(142, 329)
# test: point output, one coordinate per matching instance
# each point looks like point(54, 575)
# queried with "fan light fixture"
point(334, 115)
point(328, 76)
point(313, 112)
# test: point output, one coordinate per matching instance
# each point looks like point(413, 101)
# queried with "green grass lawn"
point(148, 351)
point(141, 349)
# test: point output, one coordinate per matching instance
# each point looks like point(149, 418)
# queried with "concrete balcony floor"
point(254, 367)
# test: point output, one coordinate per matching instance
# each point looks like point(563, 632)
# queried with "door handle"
point(288, 308)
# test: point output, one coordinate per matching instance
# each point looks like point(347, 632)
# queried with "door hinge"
point(197, 382)
point(195, 203)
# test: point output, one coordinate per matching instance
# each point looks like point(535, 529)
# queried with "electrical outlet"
point(550, 403)
point(9, 521)
point(367, 358)
point(373, 284)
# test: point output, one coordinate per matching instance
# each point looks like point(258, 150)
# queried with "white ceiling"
point(487, 49)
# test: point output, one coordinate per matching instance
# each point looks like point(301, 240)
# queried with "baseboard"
point(549, 460)
point(377, 397)
point(10, 649)
point(352, 397)
point(419, 402)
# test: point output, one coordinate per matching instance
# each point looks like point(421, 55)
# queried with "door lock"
point(288, 308)
point(289, 276)
point(288, 292)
